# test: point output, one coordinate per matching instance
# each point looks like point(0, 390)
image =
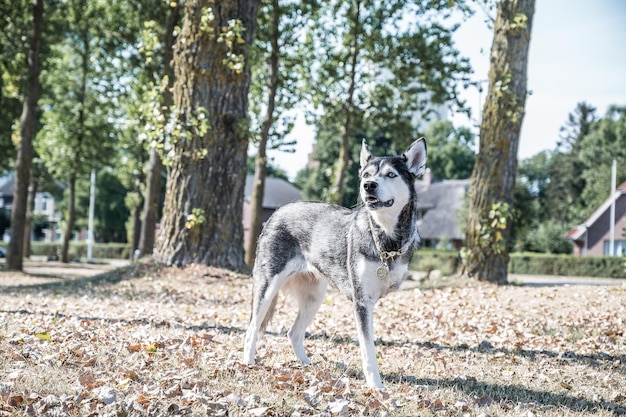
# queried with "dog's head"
point(388, 182)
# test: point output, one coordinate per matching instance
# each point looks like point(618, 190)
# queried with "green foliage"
point(550, 185)
point(528, 264)
point(405, 65)
point(450, 153)
point(78, 131)
point(548, 237)
point(39, 223)
point(272, 169)
point(427, 260)
point(79, 250)
point(292, 60)
point(111, 212)
point(564, 202)
point(5, 220)
point(316, 182)
point(605, 142)
point(567, 265)
point(195, 218)
point(14, 43)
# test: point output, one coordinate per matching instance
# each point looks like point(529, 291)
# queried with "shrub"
point(529, 263)
point(583, 266)
point(79, 250)
point(427, 260)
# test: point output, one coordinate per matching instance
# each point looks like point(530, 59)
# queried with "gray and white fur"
point(363, 252)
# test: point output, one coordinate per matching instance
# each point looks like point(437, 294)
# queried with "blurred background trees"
point(387, 72)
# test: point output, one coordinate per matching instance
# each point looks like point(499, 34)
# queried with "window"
point(619, 248)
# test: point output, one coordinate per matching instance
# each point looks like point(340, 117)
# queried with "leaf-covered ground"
point(144, 340)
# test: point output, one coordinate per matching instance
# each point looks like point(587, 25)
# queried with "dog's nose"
point(370, 186)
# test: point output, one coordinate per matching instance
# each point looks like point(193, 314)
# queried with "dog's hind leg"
point(263, 307)
point(266, 288)
point(309, 293)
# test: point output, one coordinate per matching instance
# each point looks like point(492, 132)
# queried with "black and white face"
point(383, 186)
point(388, 182)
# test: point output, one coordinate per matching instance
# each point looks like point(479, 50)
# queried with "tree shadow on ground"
point(60, 283)
point(511, 396)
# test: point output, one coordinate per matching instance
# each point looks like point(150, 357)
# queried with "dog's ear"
point(366, 155)
point(415, 157)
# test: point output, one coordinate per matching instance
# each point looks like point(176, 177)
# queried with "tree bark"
point(135, 214)
point(338, 187)
point(150, 215)
point(202, 215)
point(25, 152)
point(28, 227)
point(71, 215)
point(82, 98)
point(493, 178)
point(260, 161)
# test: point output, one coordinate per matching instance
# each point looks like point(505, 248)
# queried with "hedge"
point(426, 260)
point(79, 250)
point(567, 265)
point(529, 264)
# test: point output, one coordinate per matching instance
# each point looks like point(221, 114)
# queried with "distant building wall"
point(599, 233)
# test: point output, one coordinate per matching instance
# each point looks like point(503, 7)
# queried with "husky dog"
point(363, 252)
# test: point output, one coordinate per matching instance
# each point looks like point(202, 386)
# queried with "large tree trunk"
point(25, 151)
point(493, 178)
point(150, 215)
point(202, 215)
point(260, 162)
point(338, 187)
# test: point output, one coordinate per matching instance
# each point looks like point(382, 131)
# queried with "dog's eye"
point(391, 174)
point(366, 175)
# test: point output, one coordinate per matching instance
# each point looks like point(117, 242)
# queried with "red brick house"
point(592, 237)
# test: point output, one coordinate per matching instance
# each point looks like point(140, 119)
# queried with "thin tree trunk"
point(150, 215)
point(136, 219)
point(69, 225)
point(202, 215)
point(82, 98)
point(25, 151)
point(338, 188)
point(260, 162)
point(28, 228)
point(493, 178)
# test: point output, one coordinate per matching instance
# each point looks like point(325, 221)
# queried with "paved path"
point(46, 272)
point(552, 280)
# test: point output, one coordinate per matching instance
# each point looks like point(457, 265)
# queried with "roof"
point(579, 231)
point(7, 185)
point(441, 202)
point(278, 192)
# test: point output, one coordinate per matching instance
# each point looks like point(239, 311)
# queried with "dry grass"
point(144, 340)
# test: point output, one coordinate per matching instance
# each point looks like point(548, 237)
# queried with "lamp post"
point(92, 203)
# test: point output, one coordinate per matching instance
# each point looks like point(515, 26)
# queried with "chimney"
point(427, 177)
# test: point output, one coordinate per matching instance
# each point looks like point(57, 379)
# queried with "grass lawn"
point(145, 340)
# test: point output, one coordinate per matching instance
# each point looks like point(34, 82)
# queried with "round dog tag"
point(382, 271)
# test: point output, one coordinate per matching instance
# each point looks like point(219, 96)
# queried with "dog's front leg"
point(365, 328)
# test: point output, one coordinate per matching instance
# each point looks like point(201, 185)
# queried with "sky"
point(577, 53)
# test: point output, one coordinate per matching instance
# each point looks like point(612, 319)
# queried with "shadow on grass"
point(511, 396)
point(62, 284)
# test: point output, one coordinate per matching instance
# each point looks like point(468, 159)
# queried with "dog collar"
point(385, 256)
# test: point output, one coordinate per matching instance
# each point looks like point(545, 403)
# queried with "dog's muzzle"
point(371, 199)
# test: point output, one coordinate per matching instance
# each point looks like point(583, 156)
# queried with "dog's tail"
point(269, 314)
